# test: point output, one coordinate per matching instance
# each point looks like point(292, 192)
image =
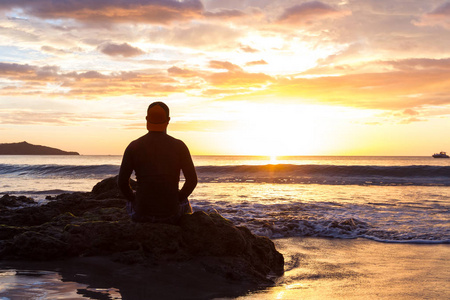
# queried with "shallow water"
point(390, 214)
point(359, 269)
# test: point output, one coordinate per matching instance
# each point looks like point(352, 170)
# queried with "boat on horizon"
point(441, 154)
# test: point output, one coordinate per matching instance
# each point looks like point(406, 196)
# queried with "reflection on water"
point(38, 284)
point(101, 278)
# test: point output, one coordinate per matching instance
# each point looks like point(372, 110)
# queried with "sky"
point(241, 77)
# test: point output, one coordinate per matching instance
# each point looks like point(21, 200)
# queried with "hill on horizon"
point(25, 148)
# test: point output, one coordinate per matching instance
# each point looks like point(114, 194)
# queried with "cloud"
point(257, 62)
point(51, 81)
point(237, 79)
point(124, 50)
point(390, 90)
point(53, 50)
point(410, 112)
point(26, 117)
point(110, 11)
point(178, 72)
point(224, 65)
point(411, 120)
point(420, 64)
point(199, 35)
point(248, 49)
point(12, 69)
point(440, 16)
point(225, 14)
point(308, 13)
point(201, 125)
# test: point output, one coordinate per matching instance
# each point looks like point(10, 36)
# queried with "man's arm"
point(190, 175)
point(126, 168)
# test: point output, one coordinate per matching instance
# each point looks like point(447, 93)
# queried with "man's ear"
point(168, 119)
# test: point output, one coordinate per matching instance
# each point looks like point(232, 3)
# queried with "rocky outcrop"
point(25, 148)
point(96, 224)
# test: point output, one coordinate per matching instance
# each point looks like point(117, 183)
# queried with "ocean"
point(299, 202)
point(386, 199)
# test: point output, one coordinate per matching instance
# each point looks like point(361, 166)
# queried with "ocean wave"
point(328, 174)
point(282, 173)
point(327, 220)
point(69, 171)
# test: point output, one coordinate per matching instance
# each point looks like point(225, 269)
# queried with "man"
point(157, 158)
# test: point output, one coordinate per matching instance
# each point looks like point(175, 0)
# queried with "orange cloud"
point(388, 90)
point(239, 79)
point(248, 49)
point(224, 65)
point(178, 72)
point(90, 84)
point(257, 62)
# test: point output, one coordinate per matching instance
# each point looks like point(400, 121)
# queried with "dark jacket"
point(157, 160)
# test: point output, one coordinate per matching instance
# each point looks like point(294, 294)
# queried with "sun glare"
point(273, 160)
point(275, 130)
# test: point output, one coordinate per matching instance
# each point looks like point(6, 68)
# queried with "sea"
point(401, 199)
point(384, 200)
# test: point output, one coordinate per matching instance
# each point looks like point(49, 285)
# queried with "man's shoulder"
point(175, 140)
point(136, 142)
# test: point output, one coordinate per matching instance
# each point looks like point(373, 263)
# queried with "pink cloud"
point(225, 14)
point(308, 13)
point(440, 16)
point(110, 11)
point(124, 50)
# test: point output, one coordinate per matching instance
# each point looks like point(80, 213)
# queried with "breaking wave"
point(283, 173)
point(329, 174)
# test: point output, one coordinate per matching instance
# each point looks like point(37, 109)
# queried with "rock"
point(14, 201)
point(107, 188)
point(91, 224)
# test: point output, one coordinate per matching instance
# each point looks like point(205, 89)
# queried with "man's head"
point(157, 116)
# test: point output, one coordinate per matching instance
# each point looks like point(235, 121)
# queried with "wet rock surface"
point(96, 224)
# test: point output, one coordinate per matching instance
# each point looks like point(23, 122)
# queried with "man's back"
point(157, 159)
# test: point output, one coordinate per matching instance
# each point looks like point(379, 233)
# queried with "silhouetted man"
point(157, 159)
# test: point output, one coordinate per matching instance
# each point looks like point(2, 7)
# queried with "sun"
point(278, 130)
point(273, 160)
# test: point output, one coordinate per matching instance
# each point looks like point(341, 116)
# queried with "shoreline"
point(321, 268)
point(315, 268)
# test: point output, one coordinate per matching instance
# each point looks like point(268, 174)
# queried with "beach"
point(319, 268)
point(316, 268)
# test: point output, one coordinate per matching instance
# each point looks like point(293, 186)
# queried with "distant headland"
point(25, 148)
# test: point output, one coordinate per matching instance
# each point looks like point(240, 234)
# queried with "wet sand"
point(316, 268)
